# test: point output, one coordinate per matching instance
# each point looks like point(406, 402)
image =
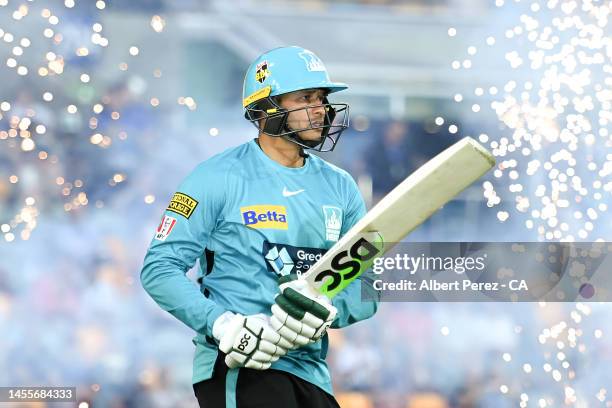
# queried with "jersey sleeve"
point(179, 241)
point(351, 308)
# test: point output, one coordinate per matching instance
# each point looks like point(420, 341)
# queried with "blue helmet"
point(289, 69)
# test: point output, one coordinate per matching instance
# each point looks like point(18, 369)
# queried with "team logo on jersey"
point(182, 204)
point(165, 228)
point(285, 259)
point(313, 63)
point(333, 222)
point(265, 216)
point(262, 72)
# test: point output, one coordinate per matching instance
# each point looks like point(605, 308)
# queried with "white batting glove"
point(248, 341)
point(299, 314)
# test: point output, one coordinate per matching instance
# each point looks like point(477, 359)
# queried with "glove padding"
point(299, 314)
point(249, 341)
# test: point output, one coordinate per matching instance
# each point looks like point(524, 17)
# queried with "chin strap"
point(294, 138)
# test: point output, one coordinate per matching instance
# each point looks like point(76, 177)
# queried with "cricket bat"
point(406, 207)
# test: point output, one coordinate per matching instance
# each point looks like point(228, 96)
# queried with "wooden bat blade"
point(402, 210)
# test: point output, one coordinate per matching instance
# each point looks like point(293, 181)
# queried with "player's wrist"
point(221, 324)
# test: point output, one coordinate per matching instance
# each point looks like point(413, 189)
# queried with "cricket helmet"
point(289, 69)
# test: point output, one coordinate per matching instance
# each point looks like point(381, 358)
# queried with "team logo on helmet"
point(262, 72)
point(313, 63)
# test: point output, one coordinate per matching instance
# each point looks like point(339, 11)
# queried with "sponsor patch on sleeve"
point(182, 204)
point(165, 228)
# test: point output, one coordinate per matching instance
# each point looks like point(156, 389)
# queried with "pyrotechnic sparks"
point(557, 162)
point(23, 223)
point(30, 127)
point(561, 343)
point(187, 101)
point(554, 163)
point(158, 23)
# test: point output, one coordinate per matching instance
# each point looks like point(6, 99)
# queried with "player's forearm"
point(351, 309)
point(165, 281)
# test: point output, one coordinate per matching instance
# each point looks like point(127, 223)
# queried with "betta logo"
point(265, 216)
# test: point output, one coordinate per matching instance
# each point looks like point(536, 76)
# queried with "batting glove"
point(249, 341)
point(299, 314)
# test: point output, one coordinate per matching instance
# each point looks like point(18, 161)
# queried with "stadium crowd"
point(72, 311)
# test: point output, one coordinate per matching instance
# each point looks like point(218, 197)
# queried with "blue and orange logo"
point(265, 216)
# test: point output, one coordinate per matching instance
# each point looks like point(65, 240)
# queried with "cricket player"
point(256, 217)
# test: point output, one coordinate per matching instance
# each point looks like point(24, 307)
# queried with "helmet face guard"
point(284, 70)
point(335, 121)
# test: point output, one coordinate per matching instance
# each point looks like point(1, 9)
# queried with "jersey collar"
point(277, 166)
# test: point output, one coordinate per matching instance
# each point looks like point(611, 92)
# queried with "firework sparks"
point(556, 164)
point(554, 161)
point(57, 46)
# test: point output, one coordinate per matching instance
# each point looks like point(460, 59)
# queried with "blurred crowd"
point(166, 4)
point(72, 311)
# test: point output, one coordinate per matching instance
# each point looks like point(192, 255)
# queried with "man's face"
point(312, 116)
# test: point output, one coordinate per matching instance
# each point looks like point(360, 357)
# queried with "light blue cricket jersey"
point(249, 220)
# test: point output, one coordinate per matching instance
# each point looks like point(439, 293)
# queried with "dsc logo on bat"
point(346, 265)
